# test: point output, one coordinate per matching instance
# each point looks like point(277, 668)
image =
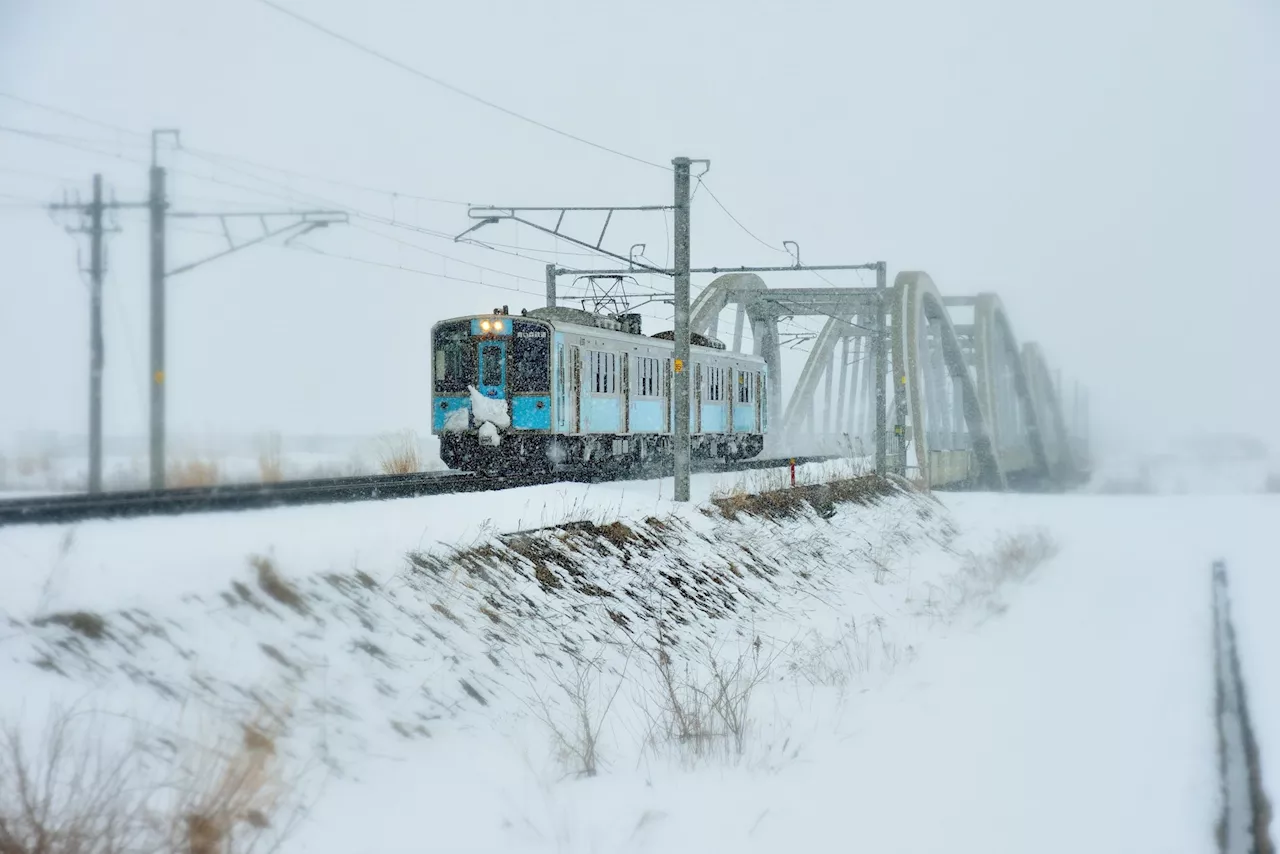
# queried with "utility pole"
point(96, 230)
point(882, 367)
point(680, 381)
point(157, 205)
point(95, 338)
point(551, 286)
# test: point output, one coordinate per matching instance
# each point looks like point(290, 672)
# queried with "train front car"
point(491, 394)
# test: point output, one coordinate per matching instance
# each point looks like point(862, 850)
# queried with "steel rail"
point(55, 509)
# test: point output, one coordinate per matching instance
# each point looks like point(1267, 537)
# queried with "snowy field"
point(982, 673)
point(55, 465)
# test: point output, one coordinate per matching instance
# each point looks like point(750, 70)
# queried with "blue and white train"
point(560, 386)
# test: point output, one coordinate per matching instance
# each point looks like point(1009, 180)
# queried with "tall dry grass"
point(270, 459)
point(193, 473)
point(399, 454)
point(85, 790)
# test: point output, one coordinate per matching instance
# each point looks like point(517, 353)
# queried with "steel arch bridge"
point(966, 405)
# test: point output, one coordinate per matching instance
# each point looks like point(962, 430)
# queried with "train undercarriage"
point(516, 452)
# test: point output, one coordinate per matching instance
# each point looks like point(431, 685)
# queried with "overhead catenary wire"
point(72, 142)
point(452, 88)
point(302, 247)
point(72, 115)
point(293, 194)
point(216, 156)
point(738, 222)
point(213, 155)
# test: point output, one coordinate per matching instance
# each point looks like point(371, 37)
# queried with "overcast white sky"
point(1108, 168)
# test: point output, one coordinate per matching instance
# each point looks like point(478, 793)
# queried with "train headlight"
point(484, 325)
point(497, 326)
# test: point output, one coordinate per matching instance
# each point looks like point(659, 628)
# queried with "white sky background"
point(1109, 169)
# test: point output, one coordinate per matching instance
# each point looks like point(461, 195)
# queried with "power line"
point(314, 250)
point(63, 140)
point(411, 245)
point(436, 80)
point(216, 157)
point(756, 238)
point(63, 112)
point(383, 264)
point(210, 155)
point(737, 221)
point(293, 194)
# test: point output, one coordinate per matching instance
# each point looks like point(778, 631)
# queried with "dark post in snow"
point(882, 368)
point(157, 209)
point(96, 228)
point(551, 286)
point(680, 365)
point(95, 337)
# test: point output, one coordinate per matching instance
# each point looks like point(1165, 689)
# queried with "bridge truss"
point(968, 406)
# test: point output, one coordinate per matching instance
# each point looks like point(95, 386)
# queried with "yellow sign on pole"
point(679, 366)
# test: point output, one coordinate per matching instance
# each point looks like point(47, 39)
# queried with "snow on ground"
point(56, 468)
point(900, 699)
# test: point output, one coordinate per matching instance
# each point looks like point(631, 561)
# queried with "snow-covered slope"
point(980, 673)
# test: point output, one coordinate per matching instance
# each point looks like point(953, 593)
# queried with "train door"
point(562, 390)
point(762, 401)
point(575, 388)
point(696, 397)
point(493, 368)
point(757, 382)
point(732, 377)
point(625, 395)
point(667, 411)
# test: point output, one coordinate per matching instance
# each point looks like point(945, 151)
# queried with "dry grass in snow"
point(271, 460)
point(88, 786)
point(192, 473)
point(983, 576)
point(399, 454)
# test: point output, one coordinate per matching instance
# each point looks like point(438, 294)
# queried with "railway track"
point(55, 509)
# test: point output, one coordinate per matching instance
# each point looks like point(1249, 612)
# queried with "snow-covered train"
point(561, 386)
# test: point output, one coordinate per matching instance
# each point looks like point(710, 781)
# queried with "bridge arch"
point(917, 305)
point(1048, 406)
point(1010, 410)
point(744, 290)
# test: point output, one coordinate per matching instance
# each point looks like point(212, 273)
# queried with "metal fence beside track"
point(1244, 824)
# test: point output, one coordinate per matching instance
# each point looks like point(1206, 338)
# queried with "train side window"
point(713, 384)
point(645, 383)
point(604, 372)
point(746, 387)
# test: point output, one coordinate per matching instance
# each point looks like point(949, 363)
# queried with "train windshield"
point(491, 365)
point(530, 358)
point(455, 357)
